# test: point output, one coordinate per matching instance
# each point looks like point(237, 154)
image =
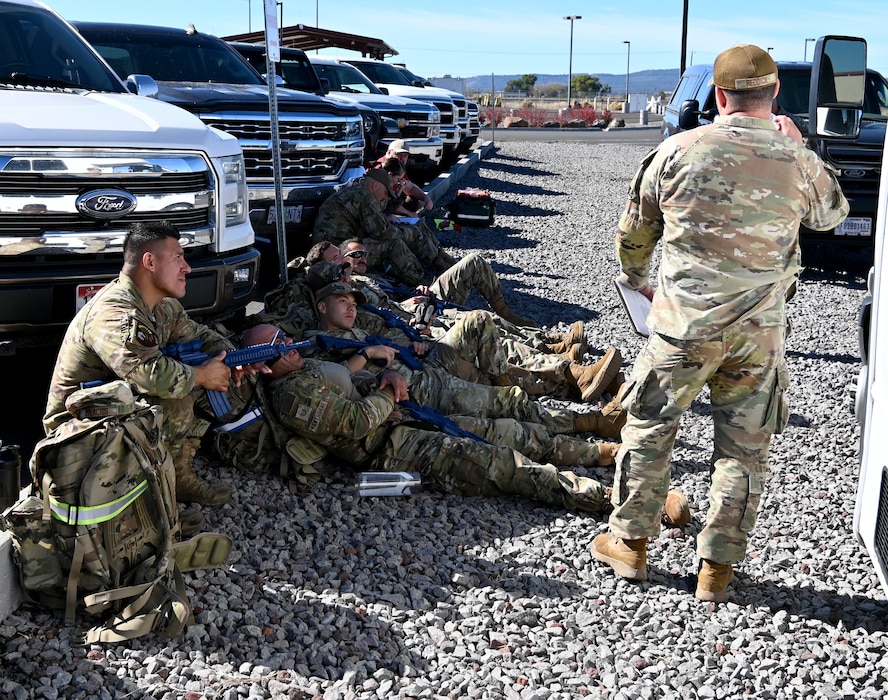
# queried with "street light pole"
point(628, 47)
point(806, 47)
point(570, 58)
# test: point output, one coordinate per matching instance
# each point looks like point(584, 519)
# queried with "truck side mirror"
point(325, 85)
point(689, 115)
point(143, 85)
point(838, 82)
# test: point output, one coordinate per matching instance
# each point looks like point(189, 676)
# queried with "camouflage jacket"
point(115, 336)
point(350, 212)
point(727, 200)
point(352, 428)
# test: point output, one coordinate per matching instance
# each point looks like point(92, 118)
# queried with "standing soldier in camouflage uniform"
point(120, 333)
point(727, 200)
point(367, 432)
point(357, 210)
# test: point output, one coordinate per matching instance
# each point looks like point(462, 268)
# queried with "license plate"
point(855, 226)
point(85, 292)
point(292, 215)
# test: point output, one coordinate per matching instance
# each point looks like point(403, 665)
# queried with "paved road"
point(633, 135)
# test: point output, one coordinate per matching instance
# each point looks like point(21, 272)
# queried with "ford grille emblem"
point(854, 172)
point(106, 204)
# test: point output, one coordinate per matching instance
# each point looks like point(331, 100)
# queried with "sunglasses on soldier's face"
point(356, 254)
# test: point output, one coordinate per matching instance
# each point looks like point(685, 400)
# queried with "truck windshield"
point(795, 84)
point(344, 78)
point(178, 58)
point(38, 49)
point(381, 72)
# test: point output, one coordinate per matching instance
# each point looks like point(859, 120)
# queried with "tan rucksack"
point(96, 536)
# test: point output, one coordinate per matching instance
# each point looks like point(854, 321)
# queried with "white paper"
point(637, 305)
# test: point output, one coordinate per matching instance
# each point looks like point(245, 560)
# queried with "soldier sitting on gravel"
point(358, 210)
point(368, 432)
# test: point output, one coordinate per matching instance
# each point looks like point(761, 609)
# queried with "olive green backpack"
point(97, 534)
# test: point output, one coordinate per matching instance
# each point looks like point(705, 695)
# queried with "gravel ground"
point(433, 596)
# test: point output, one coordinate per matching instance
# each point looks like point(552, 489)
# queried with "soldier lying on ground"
point(367, 433)
point(472, 348)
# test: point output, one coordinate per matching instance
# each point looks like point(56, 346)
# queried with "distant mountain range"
point(646, 81)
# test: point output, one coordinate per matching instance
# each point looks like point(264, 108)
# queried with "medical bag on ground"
point(473, 207)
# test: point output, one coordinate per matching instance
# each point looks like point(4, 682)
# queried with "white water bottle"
point(388, 483)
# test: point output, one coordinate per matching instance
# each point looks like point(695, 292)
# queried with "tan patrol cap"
point(744, 67)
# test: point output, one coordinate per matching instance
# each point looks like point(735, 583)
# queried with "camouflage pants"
point(419, 239)
point(534, 338)
point(471, 349)
point(532, 440)
point(180, 421)
point(745, 371)
point(538, 373)
point(394, 257)
point(471, 468)
point(456, 283)
point(453, 396)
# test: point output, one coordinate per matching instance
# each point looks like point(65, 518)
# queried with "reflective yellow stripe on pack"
point(92, 515)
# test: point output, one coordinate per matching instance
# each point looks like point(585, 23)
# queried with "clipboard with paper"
point(637, 306)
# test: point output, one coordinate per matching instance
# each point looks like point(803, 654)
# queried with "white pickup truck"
point(81, 158)
point(871, 513)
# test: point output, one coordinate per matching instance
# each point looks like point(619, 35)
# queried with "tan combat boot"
point(190, 487)
point(590, 381)
point(628, 558)
point(501, 309)
point(575, 452)
point(676, 512)
point(607, 453)
point(574, 354)
point(576, 334)
point(713, 580)
point(607, 424)
point(615, 388)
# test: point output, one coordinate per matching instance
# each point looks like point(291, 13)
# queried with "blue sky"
point(524, 36)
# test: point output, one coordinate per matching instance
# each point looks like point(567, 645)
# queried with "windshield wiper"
point(40, 80)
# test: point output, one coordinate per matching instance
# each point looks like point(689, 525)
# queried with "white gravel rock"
point(330, 596)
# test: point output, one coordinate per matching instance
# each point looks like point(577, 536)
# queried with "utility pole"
point(570, 59)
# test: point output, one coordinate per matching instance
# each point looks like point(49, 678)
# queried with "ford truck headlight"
point(234, 189)
point(435, 116)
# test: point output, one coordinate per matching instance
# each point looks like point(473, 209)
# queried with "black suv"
point(858, 161)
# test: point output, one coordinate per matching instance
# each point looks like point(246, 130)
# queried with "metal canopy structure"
point(309, 38)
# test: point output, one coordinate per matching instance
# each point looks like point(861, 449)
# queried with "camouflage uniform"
point(455, 288)
point(353, 212)
point(437, 386)
point(472, 350)
point(117, 336)
point(727, 200)
point(357, 430)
